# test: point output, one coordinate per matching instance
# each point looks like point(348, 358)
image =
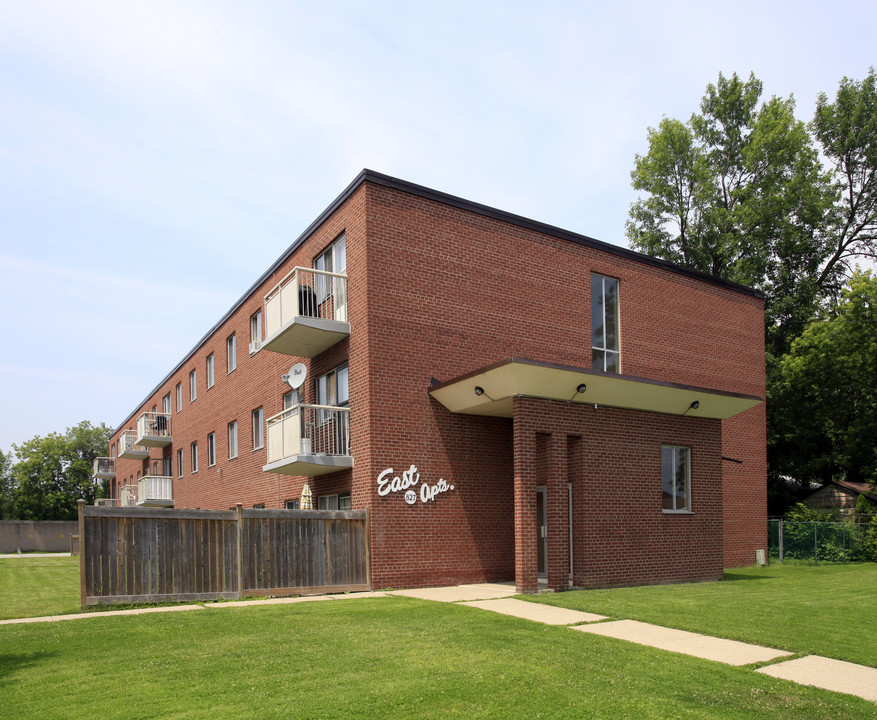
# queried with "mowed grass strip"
point(821, 610)
point(34, 586)
point(373, 658)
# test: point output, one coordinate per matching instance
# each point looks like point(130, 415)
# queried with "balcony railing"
point(154, 429)
point(309, 440)
point(127, 496)
point(155, 491)
point(128, 447)
point(105, 502)
point(306, 312)
point(104, 468)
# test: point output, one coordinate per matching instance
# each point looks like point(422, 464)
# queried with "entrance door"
point(541, 534)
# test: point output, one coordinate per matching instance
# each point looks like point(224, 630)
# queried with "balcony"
point(155, 491)
point(306, 313)
point(127, 496)
point(105, 502)
point(128, 448)
point(104, 468)
point(154, 429)
point(309, 440)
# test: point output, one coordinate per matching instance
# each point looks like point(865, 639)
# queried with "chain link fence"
point(816, 542)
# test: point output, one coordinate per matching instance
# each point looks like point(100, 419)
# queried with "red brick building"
point(507, 399)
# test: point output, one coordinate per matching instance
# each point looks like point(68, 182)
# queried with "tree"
point(6, 487)
point(53, 472)
point(826, 387)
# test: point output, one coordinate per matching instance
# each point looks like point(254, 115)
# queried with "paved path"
point(812, 670)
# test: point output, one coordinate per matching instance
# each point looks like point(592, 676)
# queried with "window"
point(676, 478)
point(232, 439)
point(333, 259)
point(291, 505)
point(113, 450)
point(604, 324)
point(193, 385)
point(194, 457)
point(179, 396)
point(256, 332)
point(166, 403)
point(333, 388)
point(291, 399)
point(259, 506)
point(211, 449)
point(210, 378)
point(231, 353)
point(180, 462)
point(167, 466)
point(258, 432)
point(334, 502)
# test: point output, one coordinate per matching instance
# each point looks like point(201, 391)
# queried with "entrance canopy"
point(489, 391)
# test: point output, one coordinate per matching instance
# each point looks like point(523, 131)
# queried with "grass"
point(373, 658)
point(823, 610)
point(34, 586)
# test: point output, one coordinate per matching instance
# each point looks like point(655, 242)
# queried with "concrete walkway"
point(811, 670)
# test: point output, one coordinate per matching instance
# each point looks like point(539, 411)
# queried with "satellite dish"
point(297, 375)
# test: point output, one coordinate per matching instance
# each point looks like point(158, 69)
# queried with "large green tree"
point(828, 385)
point(6, 487)
point(53, 472)
point(746, 192)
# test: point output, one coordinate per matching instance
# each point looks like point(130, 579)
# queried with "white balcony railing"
point(309, 440)
point(154, 429)
point(128, 447)
point(155, 491)
point(105, 502)
point(306, 312)
point(104, 467)
point(127, 496)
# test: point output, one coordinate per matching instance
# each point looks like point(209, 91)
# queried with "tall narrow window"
point(258, 430)
point(179, 396)
point(180, 462)
point(167, 466)
point(194, 457)
point(675, 478)
point(256, 332)
point(210, 374)
point(211, 449)
point(166, 403)
point(193, 385)
point(604, 324)
point(333, 259)
point(231, 352)
point(232, 439)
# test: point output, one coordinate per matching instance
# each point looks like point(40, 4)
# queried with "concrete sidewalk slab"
point(548, 614)
point(730, 652)
point(267, 601)
point(108, 613)
point(827, 674)
point(459, 593)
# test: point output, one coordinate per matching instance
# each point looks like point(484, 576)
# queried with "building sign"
point(408, 482)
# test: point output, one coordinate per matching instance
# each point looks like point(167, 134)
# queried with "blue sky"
point(156, 157)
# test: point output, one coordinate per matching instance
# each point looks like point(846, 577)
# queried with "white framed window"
point(193, 385)
point(179, 396)
point(231, 353)
point(258, 428)
point(113, 451)
point(259, 506)
point(334, 502)
point(210, 373)
point(194, 450)
point(333, 388)
point(211, 449)
point(676, 478)
point(255, 332)
point(232, 439)
point(166, 404)
point(332, 259)
point(291, 399)
point(605, 355)
point(291, 505)
point(180, 462)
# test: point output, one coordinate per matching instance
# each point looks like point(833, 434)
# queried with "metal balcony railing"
point(155, 490)
point(154, 429)
point(128, 447)
point(104, 467)
point(309, 430)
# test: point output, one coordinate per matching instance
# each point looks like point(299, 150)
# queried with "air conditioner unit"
point(255, 346)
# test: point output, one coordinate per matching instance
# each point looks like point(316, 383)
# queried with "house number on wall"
point(388, 483)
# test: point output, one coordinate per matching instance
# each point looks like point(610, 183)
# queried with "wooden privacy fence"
point(132, 555)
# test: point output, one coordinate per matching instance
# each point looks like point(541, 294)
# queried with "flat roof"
point(451, 200)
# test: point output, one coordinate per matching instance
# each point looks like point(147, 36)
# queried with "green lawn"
point(33, 586)
point(373, 658)
point(822, 610)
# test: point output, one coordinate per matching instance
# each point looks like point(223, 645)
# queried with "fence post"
point(240, 508)
point(81, 511)
point(781, 540)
